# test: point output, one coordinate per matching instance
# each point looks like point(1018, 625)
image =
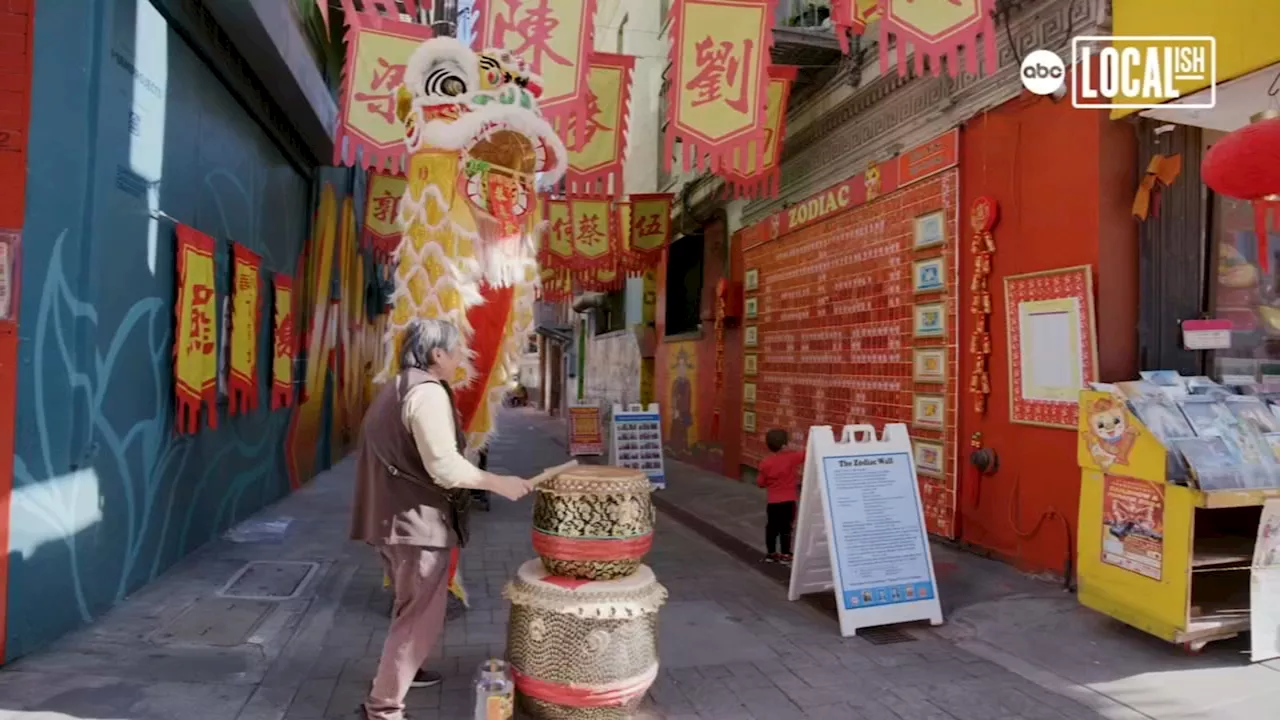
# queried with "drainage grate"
point(885, 635)
point(269, 580)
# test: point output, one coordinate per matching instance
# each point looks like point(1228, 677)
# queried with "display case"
point(1180, 563)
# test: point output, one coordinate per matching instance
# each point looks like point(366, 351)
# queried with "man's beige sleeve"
point(429, 418)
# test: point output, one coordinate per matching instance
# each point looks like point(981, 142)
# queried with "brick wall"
point(15, 109)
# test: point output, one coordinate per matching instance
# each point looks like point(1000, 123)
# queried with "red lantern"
point(1246, 165)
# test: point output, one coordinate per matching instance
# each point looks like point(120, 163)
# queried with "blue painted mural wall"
point(129, 131)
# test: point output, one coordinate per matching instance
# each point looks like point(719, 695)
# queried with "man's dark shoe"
point(426, 679)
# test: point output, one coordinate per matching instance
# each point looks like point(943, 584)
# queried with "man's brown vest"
point(396, 501)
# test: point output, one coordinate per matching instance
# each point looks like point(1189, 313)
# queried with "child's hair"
point(776, 439)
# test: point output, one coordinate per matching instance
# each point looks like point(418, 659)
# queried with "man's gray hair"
point(422, 337)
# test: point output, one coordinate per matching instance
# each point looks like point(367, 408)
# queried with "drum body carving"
point(583, 650)
point(593, 522)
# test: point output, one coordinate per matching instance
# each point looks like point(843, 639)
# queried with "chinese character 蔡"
point(386, 207)
point(589, 233)
point(535, 30)
point(720, 67)
point(201, 330)
point(382, 101)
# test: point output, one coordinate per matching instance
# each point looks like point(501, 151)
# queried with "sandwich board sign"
point(860, 529)
point(637, 441)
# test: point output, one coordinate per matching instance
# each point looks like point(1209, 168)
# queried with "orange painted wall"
point(1064, 179)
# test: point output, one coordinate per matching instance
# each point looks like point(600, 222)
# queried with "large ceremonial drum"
point(579, 649)
point(593, 522)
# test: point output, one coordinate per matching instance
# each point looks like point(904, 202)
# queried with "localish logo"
point(1144, 71)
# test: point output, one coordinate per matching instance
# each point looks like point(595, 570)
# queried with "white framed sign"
point(860, 529)
point(637, 441)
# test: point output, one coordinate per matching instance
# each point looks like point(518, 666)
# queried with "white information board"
point(860, 530)
point(637, 441)
point(1264, 581)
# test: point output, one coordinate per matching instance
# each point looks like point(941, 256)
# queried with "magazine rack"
point(1171, 560)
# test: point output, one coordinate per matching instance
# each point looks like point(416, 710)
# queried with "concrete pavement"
point(296, 636)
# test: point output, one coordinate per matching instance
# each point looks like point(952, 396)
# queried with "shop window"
point(612, 315)
point(1242, 293)
point(684, 285)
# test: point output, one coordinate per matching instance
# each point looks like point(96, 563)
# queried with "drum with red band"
point(581, 649)
point(593, 522)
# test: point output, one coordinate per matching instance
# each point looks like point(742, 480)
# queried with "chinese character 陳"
point(385, 83)
point(720, 67)
point(535, 30)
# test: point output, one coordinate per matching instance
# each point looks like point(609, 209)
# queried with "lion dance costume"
point(478, 147)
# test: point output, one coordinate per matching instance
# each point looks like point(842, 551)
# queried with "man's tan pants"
point(420, 581)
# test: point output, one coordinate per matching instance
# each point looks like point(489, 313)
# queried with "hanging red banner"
point(594, 235)
point(719, 53)
point(283, 344)
point(378, 49)
point(595, 166)
point(195, 357)
point(556, 284)
point(852, 17)
point(553, 37)
point(242, 387)
point(938, 29)
point(650, 229)
point(382, 212)
point(754, 173)
point(558, 236)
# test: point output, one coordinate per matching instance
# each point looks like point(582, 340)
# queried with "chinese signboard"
point(595, 166)
point(195, 358)
point(586, 436)
point(382, 211)
point(649, 229)
point(554, 37)
point(378, 49)
point(594, 236)
point(242, 388)
point(719, 53)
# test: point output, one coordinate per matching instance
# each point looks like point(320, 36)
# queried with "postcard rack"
point(1168, 559)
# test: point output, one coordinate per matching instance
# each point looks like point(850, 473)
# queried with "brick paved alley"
point(733, 648)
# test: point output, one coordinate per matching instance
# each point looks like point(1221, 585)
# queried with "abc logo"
point(1043, 72)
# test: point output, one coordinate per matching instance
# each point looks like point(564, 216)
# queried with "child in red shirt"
point(780, 475)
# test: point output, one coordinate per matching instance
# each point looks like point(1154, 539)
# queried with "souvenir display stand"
point(860, 529)
point(1175, 561)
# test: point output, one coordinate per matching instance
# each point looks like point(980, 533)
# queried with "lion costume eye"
point(444, 82)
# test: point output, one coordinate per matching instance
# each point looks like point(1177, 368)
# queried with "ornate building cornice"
point(891, 113)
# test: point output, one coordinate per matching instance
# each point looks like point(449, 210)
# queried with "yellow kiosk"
point(1173, 561)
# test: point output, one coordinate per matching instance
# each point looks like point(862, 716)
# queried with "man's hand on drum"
point(509, 486)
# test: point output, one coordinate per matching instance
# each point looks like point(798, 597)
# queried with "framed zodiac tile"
point(751, 308)
point(928, 456)
point(928, 275)
point(751, 280)
point(929, 365)
point(928, 411)
point(751, 336)
point(749, 365)
point(929, 230)
point(929, 320)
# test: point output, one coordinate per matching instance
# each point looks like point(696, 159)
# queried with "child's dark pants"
point(777, 529)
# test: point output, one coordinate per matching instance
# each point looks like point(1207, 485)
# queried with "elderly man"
point(412, 483)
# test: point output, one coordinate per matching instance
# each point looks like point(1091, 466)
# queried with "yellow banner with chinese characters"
point(382, 212)
point(650, 227)
point(558, 235)
point(242, 386)
point(719, 53)
point(938, 30)
point(195, 356)
point(553, 37)
point(593, 238)
point(757, 170)
point(283, 344)
point(595, 167)
point(378, 49)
